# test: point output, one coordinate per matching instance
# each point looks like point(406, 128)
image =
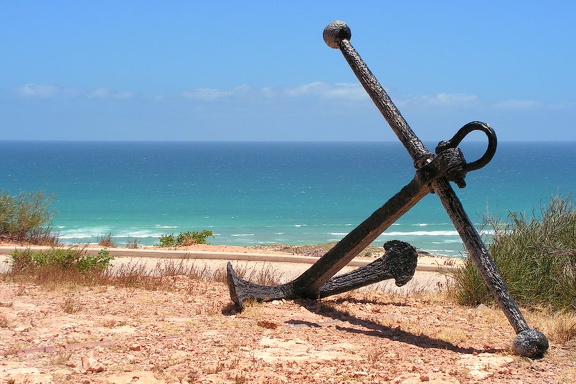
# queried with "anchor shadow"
point(370, 328)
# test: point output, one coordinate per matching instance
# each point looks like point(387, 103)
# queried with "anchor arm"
point(309, 283)
point(399, 263)
point(366, 232)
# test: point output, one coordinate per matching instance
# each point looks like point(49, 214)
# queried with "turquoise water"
point(261, 193)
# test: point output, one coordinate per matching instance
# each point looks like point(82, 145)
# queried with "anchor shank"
point(477, 250)
point(385, 105)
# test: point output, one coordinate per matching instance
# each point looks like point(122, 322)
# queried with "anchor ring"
point(462, 133)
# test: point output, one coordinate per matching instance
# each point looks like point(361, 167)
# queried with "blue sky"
point(260, 70)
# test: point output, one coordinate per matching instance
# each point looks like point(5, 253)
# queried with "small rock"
point(482, 308)
point(90, 364)
point(137, 377)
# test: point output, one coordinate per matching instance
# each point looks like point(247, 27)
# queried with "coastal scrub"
point(25, 217)
point(536, 257)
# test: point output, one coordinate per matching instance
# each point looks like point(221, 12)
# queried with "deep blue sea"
point(261, 193)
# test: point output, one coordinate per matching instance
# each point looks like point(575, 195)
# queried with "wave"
point(95, 232)
point(421, 233)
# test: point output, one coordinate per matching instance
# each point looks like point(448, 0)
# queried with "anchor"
point(434, 172)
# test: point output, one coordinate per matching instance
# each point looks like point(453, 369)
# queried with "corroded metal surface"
point(433, 174)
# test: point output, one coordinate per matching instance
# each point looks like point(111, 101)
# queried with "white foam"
point(421, 233)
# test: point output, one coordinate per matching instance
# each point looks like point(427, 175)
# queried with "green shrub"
point(96, 263)
point(536, 258)
point(167, 241)
point(185, 238)
point(74, 259)
point(24, 215)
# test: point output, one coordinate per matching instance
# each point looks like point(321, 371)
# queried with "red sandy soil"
point(187, 332)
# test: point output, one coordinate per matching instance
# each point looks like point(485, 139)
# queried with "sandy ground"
point(187, 332)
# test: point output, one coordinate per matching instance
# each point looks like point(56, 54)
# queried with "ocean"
point(266, 192)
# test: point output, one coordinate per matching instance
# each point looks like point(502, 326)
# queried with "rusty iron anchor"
point(433, 174)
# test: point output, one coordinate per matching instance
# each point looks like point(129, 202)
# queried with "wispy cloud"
point(351, 92)
point(519, 104)
point(105, 93)
point(208, 94)
point(338, 91)
point(45, 91)
point(310, 92)
point(440, 100)
point(464, 100)
point(320, 90)
point(562, 106)
point(41, 90)
point(451, 99)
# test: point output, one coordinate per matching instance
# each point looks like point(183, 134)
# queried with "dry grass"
point(138, 274)
point(560, 327)
point(132, 243)
point(71, 305)
point(106, 241)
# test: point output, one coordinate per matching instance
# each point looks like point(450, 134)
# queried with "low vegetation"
point(536, 257)
point(185, 238)
point(26, 217)
point(75, 265)
point(71, 259)
point(106, 241)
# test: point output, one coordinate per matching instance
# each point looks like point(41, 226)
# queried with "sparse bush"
point(28, 260)
point(43, 236)
point(536, 258)
point(167, 241)
point(23, 217)
point(185, 238)
point(106, 241)
point(96, 263)
point(132, 243)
